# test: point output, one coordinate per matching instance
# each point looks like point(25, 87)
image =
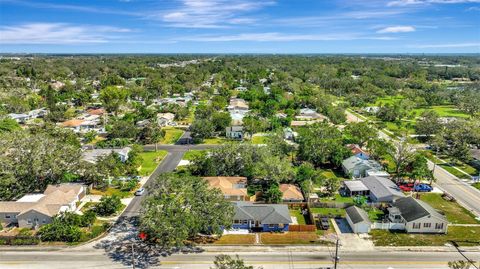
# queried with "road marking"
point(314, 262)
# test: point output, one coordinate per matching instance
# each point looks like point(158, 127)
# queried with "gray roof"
point(357, 215)
point(355, 185)
point(413, 209)
point(264, 213)
point(93, 155)
point(355, 162)
point(382, 187)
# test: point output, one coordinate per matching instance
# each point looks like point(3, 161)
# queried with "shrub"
point(108, 205)
point(129, 185)
point(61, 229)
point(25, 232)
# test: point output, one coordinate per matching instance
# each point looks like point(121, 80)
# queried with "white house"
point(358, 219)
point(234, 132)
point(418, 216)
point(165, 119)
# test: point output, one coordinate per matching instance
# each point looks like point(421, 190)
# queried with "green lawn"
point(387, 100)
point(171, 135)
point(259, 139)
point(463, 236)
point(328, 211)
point(452, 210)
point(374, 214)
point(476, 185)
point(298, 214)
point(191, 154)
point(337, 198)
point(443, 111)
point(150, 161)
point(112, 191)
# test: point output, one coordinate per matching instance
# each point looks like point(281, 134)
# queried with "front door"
point(257, 224)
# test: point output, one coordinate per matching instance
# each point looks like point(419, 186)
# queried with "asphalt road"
point(269, 259)
point(466, 195)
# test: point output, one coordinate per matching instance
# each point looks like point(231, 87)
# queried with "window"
point(416, 225)
point(7, 216)
point(29, 221)
point(439, 226)
point(236, 221)
point(44, 221)
point(271, 225)
point(245, 222)
point(427, 225)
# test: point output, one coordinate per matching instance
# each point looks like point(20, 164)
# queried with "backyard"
point(150, 160)
point(297, 213)
point(463, 236)
point(332, 212)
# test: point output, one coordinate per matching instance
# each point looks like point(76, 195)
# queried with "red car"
point(405, 188)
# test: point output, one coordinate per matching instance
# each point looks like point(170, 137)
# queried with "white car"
point(140, 192)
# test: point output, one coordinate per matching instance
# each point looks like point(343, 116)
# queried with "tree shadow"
point(123, 235)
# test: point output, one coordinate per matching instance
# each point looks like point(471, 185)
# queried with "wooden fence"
point(302, 228)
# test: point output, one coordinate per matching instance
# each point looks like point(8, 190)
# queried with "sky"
point(240, 26)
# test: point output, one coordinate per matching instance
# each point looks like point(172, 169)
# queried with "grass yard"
point(191, 154)
point(337, 198)
point(112, 191)
point(298, 214)
point(259, 139)
point(464, 236)
point(290, 238)
point(453, 211)
point(388, 100)
point(328, 211)
point(150, 161)
point(374, 214)
point(443, 111)
point(236, 239)
point(171, 135)
point(476, 185)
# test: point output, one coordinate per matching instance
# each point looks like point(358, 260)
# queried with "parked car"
point(324, 224)
point(140, 192)
point(423, 188)
point(405, 188)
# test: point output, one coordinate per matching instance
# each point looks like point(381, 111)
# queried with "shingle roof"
point(356, 162)
point(264, 213)
point(357, 214)
point(291, 192)
point(229, 185)
point(355, 185)
point(50, 204)
point(381, 187)
point(412, 209)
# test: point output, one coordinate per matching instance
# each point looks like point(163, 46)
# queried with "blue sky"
point(240, 26)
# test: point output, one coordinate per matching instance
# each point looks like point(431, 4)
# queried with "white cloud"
point(426, 2)
point(396, 29)
point(210, 13)
point(449, 45)
point(57, 33)
point(281, 37)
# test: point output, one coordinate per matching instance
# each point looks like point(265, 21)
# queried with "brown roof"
point(98, 111)
point(49, 205)
point(291, 192)
point(72, 123)
point(63, 187)
point(228, 185)
point(355, 149)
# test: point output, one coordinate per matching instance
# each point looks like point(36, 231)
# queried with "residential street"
point(466, 195)
point(270, 258)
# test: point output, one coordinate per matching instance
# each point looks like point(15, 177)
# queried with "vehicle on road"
point(140, 192)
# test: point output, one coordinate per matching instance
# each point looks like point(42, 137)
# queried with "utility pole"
point(133, 257)
point(336, 255)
